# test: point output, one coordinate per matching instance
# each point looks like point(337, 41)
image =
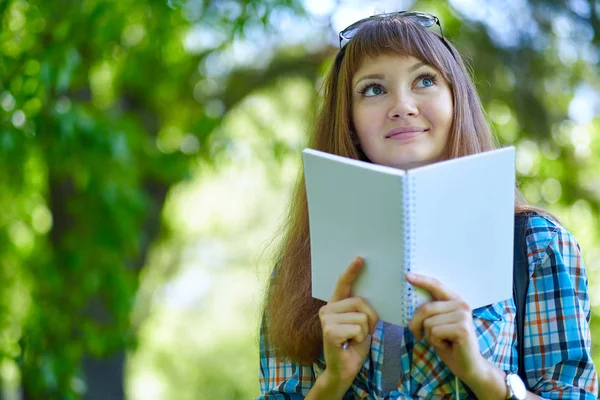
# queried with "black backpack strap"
point(520, 284)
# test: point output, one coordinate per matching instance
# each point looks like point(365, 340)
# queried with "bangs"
point(397, 35)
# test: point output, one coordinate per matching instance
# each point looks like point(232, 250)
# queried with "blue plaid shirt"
point(557, 339)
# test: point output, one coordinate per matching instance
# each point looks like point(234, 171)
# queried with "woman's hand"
point(447, 323)
point(346, 319)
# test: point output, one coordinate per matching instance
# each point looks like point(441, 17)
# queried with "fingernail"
point(410, 275)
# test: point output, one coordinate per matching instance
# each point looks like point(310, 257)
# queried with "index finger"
point(437, 290)
point(344, 283)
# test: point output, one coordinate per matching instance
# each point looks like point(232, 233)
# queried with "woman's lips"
point(405, 133)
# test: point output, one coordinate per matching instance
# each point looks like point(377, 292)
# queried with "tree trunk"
point(105, 377)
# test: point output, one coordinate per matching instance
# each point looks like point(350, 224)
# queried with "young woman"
point(399, 95)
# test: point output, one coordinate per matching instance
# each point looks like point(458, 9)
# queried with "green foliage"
point(99, 120)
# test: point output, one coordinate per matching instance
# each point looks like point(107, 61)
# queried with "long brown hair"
point(291, 325)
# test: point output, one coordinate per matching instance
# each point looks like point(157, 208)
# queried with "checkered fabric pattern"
point(557, 339)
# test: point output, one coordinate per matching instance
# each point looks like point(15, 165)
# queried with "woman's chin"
point(408, 164)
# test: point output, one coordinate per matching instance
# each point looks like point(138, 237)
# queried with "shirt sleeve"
point(557, 339)
point(281, 379)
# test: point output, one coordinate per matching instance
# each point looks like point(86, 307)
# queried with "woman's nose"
point(404, 106)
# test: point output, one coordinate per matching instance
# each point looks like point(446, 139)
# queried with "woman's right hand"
point(346, 319)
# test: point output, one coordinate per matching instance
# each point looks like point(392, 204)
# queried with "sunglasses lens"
point(423, 20)
point(350, 31)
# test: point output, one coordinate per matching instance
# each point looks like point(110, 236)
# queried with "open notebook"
point(451, 220)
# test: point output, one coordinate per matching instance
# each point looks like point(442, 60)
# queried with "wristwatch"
point(515, 387)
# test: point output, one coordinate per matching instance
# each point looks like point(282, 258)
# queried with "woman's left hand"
point(447, 323)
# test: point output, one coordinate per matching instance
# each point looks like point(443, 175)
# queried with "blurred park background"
point(147, 154)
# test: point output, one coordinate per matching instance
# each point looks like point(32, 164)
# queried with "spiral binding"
point(410, 241)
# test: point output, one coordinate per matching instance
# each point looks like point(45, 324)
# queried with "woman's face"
point(402, 111)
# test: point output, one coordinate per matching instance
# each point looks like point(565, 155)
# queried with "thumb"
point(346, 280)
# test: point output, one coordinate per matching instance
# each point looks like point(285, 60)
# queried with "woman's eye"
point(425, 81)
point(373, 90)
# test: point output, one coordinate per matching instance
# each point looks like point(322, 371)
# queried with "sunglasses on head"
point(421, 18)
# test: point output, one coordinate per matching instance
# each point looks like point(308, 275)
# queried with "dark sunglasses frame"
point(421, 18)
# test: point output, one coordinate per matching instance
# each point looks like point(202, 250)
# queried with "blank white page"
point(356, 209)
point(464, 216)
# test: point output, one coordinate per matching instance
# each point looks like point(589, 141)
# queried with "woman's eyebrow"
point(417, 66)
point(370, 76)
